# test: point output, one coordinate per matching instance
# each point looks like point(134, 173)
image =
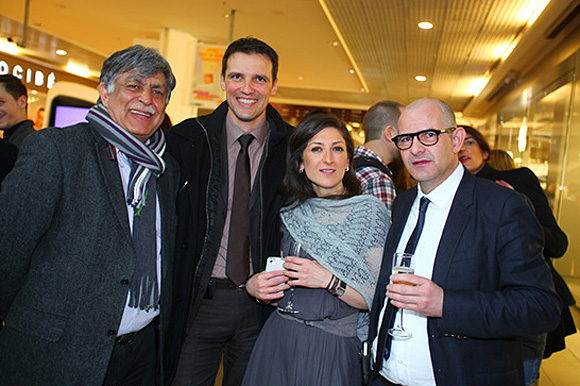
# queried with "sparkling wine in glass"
point(289, 308)
point(402, 263)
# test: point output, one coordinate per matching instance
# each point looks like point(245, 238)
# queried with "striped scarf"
point(147, 157)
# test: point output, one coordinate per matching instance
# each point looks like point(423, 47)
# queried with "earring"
point(347, 169)
point(301, 171)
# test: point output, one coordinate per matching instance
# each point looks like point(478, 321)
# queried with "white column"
point(179, 49)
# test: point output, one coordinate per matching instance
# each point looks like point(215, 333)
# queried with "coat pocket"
point(35, 323)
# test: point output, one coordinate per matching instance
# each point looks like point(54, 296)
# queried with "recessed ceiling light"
point(421, 78)
point(300, 78)
point(351, 71)
point(61, 52)
point(335, 43)
point(425, 25)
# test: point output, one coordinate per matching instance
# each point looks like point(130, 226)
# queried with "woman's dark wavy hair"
point(479, 138)
point(295, 185)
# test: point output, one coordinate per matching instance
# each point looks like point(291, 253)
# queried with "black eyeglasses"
point(427, 137)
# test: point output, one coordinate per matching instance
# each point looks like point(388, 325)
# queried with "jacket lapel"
point(113, 183)
point(454, 228)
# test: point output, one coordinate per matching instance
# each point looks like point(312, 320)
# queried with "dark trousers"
point(226, 325)
point(133, 363)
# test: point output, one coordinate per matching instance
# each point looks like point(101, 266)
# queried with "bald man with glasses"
point(480, 281)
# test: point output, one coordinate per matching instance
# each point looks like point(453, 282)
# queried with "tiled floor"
point(563, 367)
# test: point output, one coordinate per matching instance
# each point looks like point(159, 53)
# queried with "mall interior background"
point(534, 113)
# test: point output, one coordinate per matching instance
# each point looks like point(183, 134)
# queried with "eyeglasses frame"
point(397, 138)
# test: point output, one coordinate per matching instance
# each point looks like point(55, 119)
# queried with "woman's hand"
point(307, 273)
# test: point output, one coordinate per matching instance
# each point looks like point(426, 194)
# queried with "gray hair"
point(379, 116)
point(143, 61)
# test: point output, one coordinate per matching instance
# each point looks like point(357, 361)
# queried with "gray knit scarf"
point(346, 237)
point(149, 158)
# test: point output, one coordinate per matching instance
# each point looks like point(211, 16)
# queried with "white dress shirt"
point(410, 361)
point(135, 319)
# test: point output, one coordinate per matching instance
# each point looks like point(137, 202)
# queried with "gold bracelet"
point(264, 303)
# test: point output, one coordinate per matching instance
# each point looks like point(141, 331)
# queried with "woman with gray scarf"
point(341, 236)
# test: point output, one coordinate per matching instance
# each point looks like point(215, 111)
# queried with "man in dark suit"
point(480, 281)
point(216, 314)
point(88, 224)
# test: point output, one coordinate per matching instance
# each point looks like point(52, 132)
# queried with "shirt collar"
point(233, 132)
point(442, 196)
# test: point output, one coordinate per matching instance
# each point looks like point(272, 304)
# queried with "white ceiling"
point(378, 38)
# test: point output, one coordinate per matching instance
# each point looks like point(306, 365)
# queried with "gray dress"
point(299, 350)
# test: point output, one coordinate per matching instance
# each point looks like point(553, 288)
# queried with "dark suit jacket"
point(497, 285)
point(525, 181)
point(66, 258)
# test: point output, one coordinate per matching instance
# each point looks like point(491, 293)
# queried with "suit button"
point(124, 282)
point(111, 332)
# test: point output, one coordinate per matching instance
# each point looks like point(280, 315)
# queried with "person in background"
point(8, 154)
point(88, 233)
point(500, 160)
point(39, 120)
point(14, 120)
point(473, 155)
point(232, 161)
point(479, 282)
point(371, 160)
point(340, 234)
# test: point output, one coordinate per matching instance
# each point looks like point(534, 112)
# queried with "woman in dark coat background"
point(473, 155)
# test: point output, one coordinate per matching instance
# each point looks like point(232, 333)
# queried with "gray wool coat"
point(66, 258)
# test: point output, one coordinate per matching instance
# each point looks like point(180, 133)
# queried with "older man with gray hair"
point(88, 224)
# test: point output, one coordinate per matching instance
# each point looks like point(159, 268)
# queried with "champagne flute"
point(289, 307)
point(402, 263)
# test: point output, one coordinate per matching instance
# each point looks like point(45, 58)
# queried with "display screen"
point(67, 111)
point(69, 115)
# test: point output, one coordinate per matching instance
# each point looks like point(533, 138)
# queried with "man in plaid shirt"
point(371, 160)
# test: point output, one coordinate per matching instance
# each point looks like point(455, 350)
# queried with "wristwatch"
point(339, 291)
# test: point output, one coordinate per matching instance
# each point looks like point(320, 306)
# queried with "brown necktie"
point(238, 260)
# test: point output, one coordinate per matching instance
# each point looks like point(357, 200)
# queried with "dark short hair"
point(248, 46)
point(295, 185)
point(379, 116)
point(479, 138)
point(13, 86)
point(144, 61)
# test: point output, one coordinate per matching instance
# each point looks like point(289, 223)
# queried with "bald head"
point(430, 164)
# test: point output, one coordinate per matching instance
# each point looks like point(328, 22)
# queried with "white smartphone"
point(274, 263)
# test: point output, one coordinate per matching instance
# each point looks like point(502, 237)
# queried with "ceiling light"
point(531, 11)
point(351, 71)
point(543, 4)
point(300, 78)
point(510, 48)
point(421, 78)
point(477, 86)
point(425, 25)
point(61, 52)
point(522, 136)
point(335, 43)
point(8, 47)
point(78, 70)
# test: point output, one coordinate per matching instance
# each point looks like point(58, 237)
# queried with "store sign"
point(36, 76)
point(28, 75)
